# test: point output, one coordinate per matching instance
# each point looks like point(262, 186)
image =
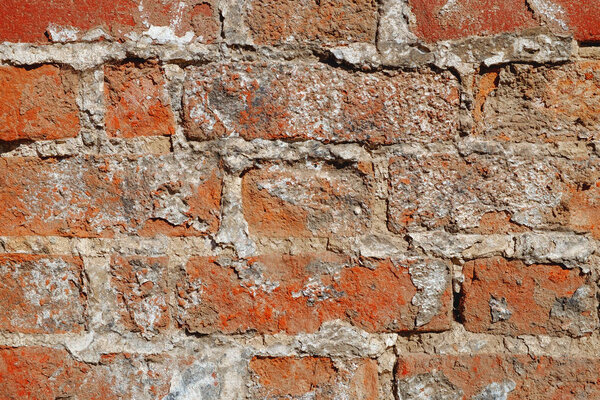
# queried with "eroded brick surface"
point(312, 377)
point(540, 104)
point(278, 22)
point(137, 101)
point(509, 297)
point(303, 201)
point(580, 18)
point(458, 193)
point(42, 294)
point(98, 196)
point(38, 103)
point(292, 294)
point(140, 284)
point(443, 20)
point(64, 20)
point(296, 101)
point(496, 377)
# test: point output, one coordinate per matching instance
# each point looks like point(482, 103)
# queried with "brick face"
point(443, 20)
point(296, 102)
point(42, 294)
point(581, 18)
point(35, 21)
point(137, 101)
point(38, 103)
point(98, 197)
point(509, 297)
point(277, 22)
point(298, 293)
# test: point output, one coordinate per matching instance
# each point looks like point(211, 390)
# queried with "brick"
point(299, 102)
point(42, 294)
point(44, 373)
point(88, 196)
point(443, 20)
point(329, 22)
point(578, 17)
point(140, 284)
point(540, 104)
point(510, 298)
point(492, 194)
point(492, 376)
point(38, 21)
point(292, 294)
point(305, 201)
point(137, 102)
point(312, 377)
point(38, 103)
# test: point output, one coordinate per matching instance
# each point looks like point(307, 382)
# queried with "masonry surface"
point(277, 199)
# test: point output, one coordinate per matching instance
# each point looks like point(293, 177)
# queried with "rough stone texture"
point(311, 200)
point(38, 103)
point(42, 294)
point(496, 377)
point(65, 21)
point(294, 294)
point(512, 298)
point(137, 103)
point(309, 377)
point(98, 196)
point(298, 101)
point(454, 19)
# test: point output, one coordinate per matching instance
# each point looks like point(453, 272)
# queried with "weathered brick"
point(42, 294)
point(137, 102)
point(491, 376)
point(297, 102)
point(140, 284)
point(38, 103)
point(292, 294)
point(578, 17)
point(44, 373)
point(443, 20)
point(444, 190)
point(313, 377)
point(306, 200)
point(540, 104)
point(511, 298)
point(329, 22)
point(99, 196)
point(67, 20)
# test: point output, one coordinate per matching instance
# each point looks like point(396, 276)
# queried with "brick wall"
point(277, 199)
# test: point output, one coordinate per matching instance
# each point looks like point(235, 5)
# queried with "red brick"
point(293, 294)
point(304, 201)
point(539, 104)
point(580, 17)
point(276, 22)
point(137, 102)
point(444, 190)
point(511, 298)
point(299, 102)
point(314, 377)
point(44, 373)
point(42, 294)
point(38, 103)
point(456, 19)
point(29, 21)
point(98, 197)
point(140, 284)
point(509, 377)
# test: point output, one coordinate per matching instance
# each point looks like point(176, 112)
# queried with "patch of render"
point(395, 18)
point(197, 382)
point(362, 55)
point(431, 278)
point(62, 34)
point(551, 12)
point(496, 391)
point(462, 246)
point(499, 309)
point(233, 230)
point(554, 247)
point(433, 385)
point(570, 309)
point(251, 275)
point(234, 28)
